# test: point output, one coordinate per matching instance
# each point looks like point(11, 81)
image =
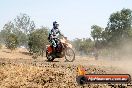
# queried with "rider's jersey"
point(54, 33)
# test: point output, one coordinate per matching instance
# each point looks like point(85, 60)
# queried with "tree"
point(117, 32)
point(7, 30)
point(23, 27)
point(119, 26)
point(38, 40)
point(24, 24)
point(8, 37)
point(83, 46)
point(11, 41)
point(96, 33)
point(76, 43)
point(87, 45)
point(22, 38)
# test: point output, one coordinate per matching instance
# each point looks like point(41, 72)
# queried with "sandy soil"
point(19, 70)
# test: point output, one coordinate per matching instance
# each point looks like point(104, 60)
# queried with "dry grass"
point(15, 54)
point(33, 76)
point(48, 75)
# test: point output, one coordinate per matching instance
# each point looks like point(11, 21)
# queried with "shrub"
point(0, 46)
point(11, 41)
point(37, 41)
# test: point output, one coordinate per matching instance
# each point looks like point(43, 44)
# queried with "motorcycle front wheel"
point(69, 55)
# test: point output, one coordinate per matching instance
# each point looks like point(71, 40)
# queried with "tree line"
point(109, 39)
point(22, 32)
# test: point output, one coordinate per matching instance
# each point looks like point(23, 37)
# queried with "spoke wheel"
point(69, 55)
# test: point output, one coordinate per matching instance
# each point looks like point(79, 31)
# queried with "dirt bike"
point(63, 49)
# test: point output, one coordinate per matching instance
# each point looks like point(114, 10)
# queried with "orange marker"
point(81, 70)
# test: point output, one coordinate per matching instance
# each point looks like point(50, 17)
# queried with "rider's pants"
point(54, 42)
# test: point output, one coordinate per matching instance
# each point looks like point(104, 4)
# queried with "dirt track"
point(18, 69)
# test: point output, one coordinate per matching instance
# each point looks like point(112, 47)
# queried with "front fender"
point(69, 45)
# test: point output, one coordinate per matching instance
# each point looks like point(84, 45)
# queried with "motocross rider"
point(54, 35)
